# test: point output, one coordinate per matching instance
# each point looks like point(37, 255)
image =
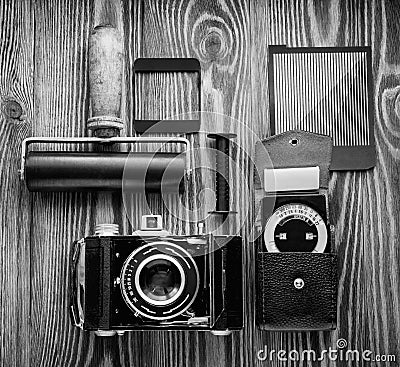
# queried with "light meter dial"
point(295, 227)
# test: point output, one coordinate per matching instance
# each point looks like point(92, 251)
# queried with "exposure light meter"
point(295, 227)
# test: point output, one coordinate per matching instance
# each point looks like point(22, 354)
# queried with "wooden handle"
point(105, 81)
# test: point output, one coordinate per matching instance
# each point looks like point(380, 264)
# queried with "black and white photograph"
point(200, 183)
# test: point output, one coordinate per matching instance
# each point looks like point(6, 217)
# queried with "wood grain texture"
point(16, 102)
point(61, 109)
point(230, 38)
point(363, 205)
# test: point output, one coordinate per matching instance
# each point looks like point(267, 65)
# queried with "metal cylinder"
point(104, 171)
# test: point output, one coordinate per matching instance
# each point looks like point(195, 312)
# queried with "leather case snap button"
point(298, 283)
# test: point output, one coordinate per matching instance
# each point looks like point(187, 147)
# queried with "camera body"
point(155, 280)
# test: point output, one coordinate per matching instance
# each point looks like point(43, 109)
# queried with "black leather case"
point(280, 305)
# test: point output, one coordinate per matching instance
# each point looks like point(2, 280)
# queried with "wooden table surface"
point(43, 70)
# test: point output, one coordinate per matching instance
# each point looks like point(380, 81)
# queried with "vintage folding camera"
point(296, 266)
point(155, 280)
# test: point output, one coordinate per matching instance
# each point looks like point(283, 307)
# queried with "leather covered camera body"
point(155, 280)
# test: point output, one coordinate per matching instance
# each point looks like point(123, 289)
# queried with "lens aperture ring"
point(135, 296)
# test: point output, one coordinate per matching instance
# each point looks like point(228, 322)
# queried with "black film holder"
point(168, 65)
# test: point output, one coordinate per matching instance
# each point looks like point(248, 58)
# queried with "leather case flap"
point(283, 306)
point(295, 148)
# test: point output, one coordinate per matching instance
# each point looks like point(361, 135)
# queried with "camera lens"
point(160, 280)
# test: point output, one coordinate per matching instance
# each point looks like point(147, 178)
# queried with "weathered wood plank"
point(362, 204)
point(61, 109)
point(16, 102)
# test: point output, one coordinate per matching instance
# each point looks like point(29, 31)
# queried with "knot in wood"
point(214, 44)
point(12, 109)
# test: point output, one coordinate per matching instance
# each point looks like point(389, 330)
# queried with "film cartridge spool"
point(222, 175)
